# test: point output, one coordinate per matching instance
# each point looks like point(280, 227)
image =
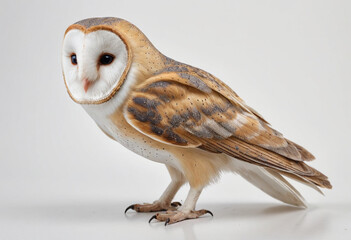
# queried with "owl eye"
point(74, 59)
point(106, 59)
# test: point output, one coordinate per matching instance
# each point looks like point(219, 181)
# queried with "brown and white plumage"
point(183, 117)
point(191, 109)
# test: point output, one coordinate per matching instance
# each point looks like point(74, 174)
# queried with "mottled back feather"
point(188, 107)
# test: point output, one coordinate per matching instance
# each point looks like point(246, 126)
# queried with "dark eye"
point(74, 59)
point(106, 59)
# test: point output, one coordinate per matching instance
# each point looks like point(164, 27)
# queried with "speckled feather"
point(188, 107)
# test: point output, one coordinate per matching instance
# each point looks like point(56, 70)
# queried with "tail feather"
point(270, 182)
point(261, 157)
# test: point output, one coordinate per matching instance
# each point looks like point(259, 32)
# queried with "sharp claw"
point(167, 221)
point(153, 217)
point(176, 204)
point(209, 212)
point(130, 207)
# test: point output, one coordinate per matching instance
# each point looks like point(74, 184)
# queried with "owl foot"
point(157, 206)
point(170, 217)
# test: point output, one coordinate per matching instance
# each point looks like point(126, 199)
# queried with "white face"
point(92, 64)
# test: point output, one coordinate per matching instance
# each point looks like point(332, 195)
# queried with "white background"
point(62, 178)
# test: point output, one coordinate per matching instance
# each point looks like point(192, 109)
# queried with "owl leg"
point(164, 203)
point(187, 211)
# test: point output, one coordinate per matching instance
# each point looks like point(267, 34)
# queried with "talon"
point(167, 221)
point(153, 217)
point(130, 207)
point(209, 212)
point(176, 204)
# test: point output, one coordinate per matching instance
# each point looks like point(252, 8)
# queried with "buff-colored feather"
point(186, 107)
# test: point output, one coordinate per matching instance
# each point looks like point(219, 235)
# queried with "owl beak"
point(86, 84)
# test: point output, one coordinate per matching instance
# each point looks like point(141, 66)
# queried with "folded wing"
point(191, 108)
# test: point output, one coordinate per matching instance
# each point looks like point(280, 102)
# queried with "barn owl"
point(177, 115)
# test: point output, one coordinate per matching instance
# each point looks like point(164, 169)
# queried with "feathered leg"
point(199, 169)
point(164, 203)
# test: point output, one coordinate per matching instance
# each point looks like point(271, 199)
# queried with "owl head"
point(96, 58)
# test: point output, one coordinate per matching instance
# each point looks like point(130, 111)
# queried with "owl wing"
point(189, 109)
